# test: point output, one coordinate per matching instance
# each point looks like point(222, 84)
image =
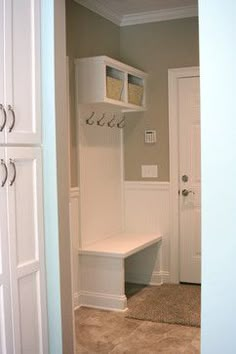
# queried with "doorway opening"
point(152, 202)
point(185, 180)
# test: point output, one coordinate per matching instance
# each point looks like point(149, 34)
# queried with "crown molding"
point(160, 15)
point(139, 18)
point(101, 10)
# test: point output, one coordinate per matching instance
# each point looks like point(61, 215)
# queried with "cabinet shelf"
point(110, 84)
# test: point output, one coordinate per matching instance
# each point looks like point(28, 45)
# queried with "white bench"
point(102, 269)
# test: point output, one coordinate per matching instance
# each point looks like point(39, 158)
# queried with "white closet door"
point(2, 98)
point(23, 71)
point(6, 344)
point(27, 250)
point(190, 166)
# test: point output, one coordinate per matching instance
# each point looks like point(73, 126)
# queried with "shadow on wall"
point(140, 267)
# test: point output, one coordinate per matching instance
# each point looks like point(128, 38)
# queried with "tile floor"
point(107, 332)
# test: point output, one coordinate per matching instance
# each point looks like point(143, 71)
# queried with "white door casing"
point(6, 334)
point(189, 167)
point(22, 71)
point(174, 75)
point(25, 210)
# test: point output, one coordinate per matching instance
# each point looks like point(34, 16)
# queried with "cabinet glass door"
point(23, 71)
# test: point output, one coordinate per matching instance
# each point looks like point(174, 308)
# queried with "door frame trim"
point(173, 76)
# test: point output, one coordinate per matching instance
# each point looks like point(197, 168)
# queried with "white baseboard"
point(157, 278)
point(76, 301)
point(100, 301)
point(118, 303)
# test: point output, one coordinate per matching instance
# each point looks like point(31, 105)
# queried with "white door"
point(6, 341)
point(2, 98)
point(27, 249)
point(190, 180)
point(22, 58)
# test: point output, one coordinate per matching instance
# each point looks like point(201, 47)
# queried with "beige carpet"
point(168, 303)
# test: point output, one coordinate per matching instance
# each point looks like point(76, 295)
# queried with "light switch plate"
point(149, 171)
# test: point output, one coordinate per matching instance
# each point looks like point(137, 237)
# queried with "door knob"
point(186, 192)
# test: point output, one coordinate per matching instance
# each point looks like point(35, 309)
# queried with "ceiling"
point(130, 12)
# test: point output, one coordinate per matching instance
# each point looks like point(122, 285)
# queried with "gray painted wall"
point(155, 48)
point(88, 34)
point(151, 47)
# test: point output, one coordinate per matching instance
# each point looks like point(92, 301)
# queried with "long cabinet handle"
point(12, 163)
point(4, 117)
point(6, 173)
point(10, 109)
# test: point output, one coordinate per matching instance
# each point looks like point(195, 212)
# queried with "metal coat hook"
point(89, 121)
point(100, 120)
point(121, 124)
point(112, 120)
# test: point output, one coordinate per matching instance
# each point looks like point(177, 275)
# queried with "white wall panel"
point(101, 176)
point(147, 210)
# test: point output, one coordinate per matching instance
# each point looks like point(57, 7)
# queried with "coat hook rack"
point(121, 124)
point(110, 125)
point(100, 120)
point(89, 121)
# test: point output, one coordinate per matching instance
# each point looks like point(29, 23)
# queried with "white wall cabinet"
point(20, 72)
point(23, 316)
point(22, 252)
point(110, 84)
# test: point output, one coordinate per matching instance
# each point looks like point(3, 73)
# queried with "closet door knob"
point(6, 173)
point(4, 117)
point(10, 109)
point(12, 163)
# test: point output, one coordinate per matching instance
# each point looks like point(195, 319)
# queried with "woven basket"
point(135, 94)
point(114, 88)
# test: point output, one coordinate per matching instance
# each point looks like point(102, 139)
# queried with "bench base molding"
point(103, 276)
point(101, 301)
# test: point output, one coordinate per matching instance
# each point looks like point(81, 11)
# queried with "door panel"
point(29, 314)
point(2, 97)
point(190, 165)
point(23, 71)
point(6, 344)
point(26, 222)
point(27, 245)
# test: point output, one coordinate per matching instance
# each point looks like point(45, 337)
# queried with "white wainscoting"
point(74, 237)
point(147, 209)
